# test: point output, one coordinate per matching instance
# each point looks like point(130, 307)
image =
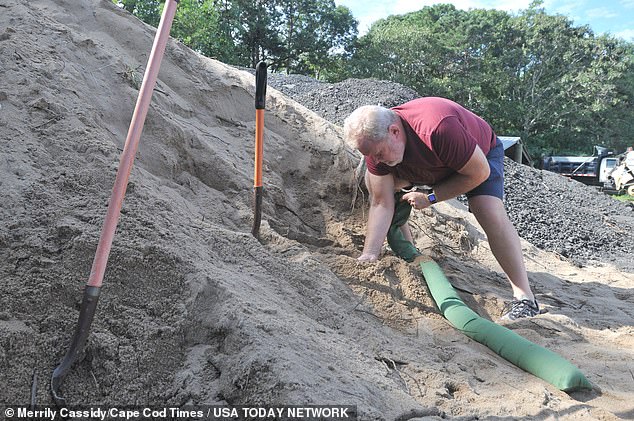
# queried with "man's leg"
point(504, 241)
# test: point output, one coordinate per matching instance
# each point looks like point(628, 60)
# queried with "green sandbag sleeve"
point(531, 357)
point(399, 245)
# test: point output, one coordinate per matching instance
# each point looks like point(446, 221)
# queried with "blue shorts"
point(494, 185)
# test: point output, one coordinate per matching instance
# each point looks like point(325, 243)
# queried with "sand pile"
point(194, 310)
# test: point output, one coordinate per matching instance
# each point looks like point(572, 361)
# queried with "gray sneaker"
point(518, 309)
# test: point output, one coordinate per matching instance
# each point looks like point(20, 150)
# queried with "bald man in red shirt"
point(438, 143)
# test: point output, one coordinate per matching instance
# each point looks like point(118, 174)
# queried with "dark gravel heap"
point(565, 216)
point(552, 212)
point(335, 101)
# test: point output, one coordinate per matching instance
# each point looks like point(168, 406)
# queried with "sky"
point(615, 17)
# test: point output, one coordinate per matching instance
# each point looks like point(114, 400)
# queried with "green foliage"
point(624, 198)
point(304, 36)
point(149, 11)
point(565, 82)
point(194, 20)
point(315, 36)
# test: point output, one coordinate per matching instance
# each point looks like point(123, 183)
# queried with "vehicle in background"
point(592, 170)
point(613, 173)
point(621, 179)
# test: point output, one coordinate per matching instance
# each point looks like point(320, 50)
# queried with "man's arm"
point(470, 176)
point(381, 188)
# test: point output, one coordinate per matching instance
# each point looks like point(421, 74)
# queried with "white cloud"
point(601, 13)
point(405, 6)
point(627, 34)
point(571, 9)
point(508, 6)
point(628, 4)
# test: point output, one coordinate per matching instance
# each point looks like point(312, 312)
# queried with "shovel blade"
point(86, 315)
point(257, 218)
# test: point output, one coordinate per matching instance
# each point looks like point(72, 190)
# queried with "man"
point(438, 143)
point(629, 157)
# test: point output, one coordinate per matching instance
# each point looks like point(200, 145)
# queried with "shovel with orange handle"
point(260, 105)
point(93, 286)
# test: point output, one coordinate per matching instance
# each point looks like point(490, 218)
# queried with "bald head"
point(369, 123)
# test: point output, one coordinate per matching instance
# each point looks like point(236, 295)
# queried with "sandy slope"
point(194, 310)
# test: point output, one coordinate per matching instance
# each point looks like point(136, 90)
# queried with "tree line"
point(300, 36)
point(560, 87)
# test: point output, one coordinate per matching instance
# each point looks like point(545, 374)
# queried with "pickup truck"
point(591, 170)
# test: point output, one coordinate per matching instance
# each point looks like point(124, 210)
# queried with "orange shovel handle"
point(260, 104)
point(259, 147)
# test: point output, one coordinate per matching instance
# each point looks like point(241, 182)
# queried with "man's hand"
point(368, 257)
point(417, 200)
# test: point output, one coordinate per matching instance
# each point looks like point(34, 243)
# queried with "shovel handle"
point(131, 145)
point(260, 104)
point(259, 147)
point(260, 85)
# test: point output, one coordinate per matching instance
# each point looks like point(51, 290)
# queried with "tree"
point(315, 34)
point(565, 82)
point(149, 11)
point(303, 36)
point(419, 49)
point(255, 31)
point(613, 126)
point(194, 21)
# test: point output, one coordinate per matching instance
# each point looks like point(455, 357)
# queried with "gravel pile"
point(565, 216)
point(550, 211)
point(335, 101)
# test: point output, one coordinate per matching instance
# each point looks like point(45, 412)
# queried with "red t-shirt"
point(441, 137)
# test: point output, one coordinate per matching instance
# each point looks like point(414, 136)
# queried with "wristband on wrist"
point(432, 197)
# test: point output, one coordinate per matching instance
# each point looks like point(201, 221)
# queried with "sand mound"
point(194, 310)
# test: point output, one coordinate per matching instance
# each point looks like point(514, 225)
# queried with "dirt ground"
point(196, 311)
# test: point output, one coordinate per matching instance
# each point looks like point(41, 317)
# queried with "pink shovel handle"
point(131, 145)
